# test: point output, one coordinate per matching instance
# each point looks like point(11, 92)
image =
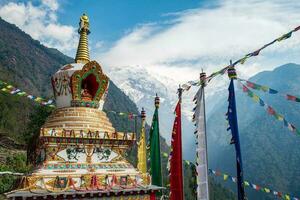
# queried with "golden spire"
point(82, 55)
point(142, 160)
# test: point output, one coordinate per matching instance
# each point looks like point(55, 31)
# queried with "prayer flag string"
point(242, 60)
point(125, 114)
point(269, 109)
point(10, 89)
point(269, 90)
point(227, 177)
point(255, 187)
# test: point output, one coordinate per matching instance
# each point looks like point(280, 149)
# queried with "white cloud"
point(208, 37)
point(99, 44)
point(52, 4)
point(40, 22)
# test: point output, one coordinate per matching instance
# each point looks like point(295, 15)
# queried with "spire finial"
point(82, 55)
point(143, 114)
point(179, 91)
point(203, 81)
point(231, 71)
point(156, 101)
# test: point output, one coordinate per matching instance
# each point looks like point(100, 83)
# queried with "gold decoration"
point(51, 154)
point(82, 55)
point(142, 151)
point(89, 153)
point(72, 118)
point(86, 180)
point(89, 68)
point(146, 179)
point(30, 181)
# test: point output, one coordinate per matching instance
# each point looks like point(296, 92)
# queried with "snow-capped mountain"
point(142, 86)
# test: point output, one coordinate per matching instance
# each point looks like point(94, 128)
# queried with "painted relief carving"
point(51, 154)
point(61, 84)
point(103, 154)
point(72, 153)
point(86, 153)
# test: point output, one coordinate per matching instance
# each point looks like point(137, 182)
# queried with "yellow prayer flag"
point(265, 88)
point(165, 154)
point(38, 99)
point(255, 98)
point(267, 190)
point(225, 176)
point(246, 183)
point(279, 117)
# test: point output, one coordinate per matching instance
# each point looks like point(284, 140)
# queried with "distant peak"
point(287, 66)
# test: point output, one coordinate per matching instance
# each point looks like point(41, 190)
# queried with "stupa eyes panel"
point(76, 154)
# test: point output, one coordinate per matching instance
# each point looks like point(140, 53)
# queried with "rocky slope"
point(27, 64)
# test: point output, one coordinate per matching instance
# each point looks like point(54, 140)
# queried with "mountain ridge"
point(265, 142)
point(21, 119)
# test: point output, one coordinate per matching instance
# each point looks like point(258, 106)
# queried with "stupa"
point(81, 154)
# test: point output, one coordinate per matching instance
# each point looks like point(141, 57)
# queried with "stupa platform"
point(79, 118)
point(116, 193)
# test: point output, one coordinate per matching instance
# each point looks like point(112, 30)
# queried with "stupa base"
point(115, 193)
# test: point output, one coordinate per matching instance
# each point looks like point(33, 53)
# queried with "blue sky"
point(168, 38)
point(110, 19)
point(164, 43)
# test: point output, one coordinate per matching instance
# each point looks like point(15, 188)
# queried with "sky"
point(169, 41)
point(173, 39)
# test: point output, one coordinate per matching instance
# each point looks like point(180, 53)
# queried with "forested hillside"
point(270, 151)
point(27, 64)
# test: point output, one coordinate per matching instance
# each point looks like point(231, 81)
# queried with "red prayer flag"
point(176, 179)
point(249, 84)
point(290, 97)
point(271, 111)
point(245, 89)
point(257, 187)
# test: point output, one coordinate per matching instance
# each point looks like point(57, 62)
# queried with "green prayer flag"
point(155, 161)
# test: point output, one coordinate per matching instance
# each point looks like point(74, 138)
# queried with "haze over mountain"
point(142, 86)
point(271, 153)
point(173, 40)
point(269, 150)
point(27, 64)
